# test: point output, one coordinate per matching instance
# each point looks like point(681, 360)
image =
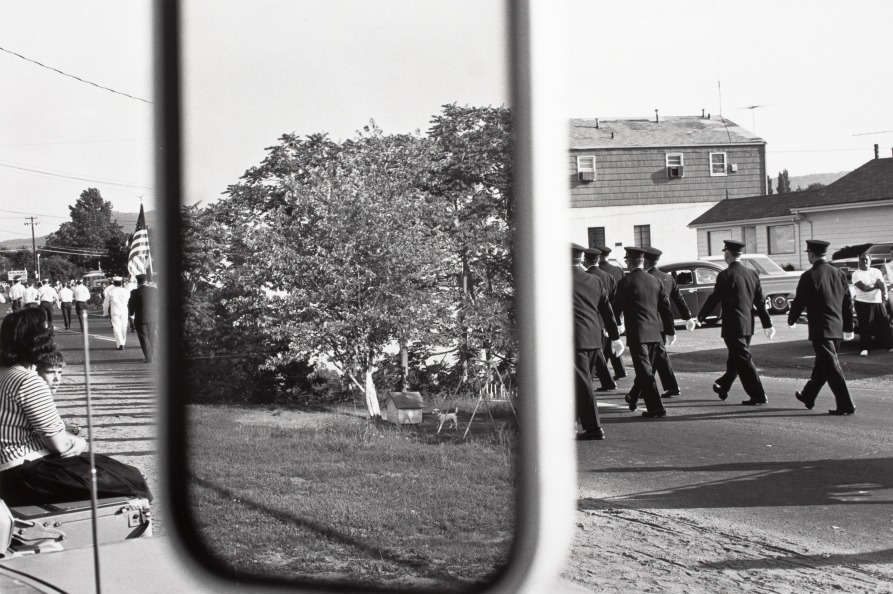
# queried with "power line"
point(33, 213)
point(72, 76)
point(78, 142)
point(86, 179)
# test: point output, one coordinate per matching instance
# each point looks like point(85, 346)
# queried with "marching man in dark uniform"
point(591, 309)
point(824, 292)
point(649, 322)
point(739, 292)
point(662, 365)
point(617, 273)
point(590, 265)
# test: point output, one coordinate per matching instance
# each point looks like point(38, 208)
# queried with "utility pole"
point(32, 221)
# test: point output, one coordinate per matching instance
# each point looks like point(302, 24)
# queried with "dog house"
point(404, 408)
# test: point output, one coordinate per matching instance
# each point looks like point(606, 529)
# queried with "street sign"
point(22, 273)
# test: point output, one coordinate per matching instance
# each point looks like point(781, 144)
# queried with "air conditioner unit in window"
point(674, 171)
point(586, 176)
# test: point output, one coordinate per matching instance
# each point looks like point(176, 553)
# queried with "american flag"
point(139, 260)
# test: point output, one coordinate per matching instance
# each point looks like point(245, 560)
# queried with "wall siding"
point(638, 176)
point(844, 227)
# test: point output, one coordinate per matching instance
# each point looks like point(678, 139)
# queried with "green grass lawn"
point(322, 496)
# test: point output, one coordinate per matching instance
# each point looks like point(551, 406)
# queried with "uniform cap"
point(116, 279)
point(733, 245)
point(604, 249)
point(577, 248)
point(140, 278)
point(652, 253)
point(634, 251)
point(593, 251)
point(16, 277)
point(817, 246)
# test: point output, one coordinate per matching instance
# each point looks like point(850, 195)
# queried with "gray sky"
point(255, 70)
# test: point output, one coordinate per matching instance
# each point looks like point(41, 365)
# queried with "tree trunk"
point(371, 394)
point(404, 367)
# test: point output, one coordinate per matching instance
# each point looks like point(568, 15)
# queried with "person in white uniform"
point(114, 307)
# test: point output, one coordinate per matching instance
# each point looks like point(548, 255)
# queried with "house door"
point(750, 240)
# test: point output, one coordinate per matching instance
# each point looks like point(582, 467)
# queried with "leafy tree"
point(815, 186)
point(58, 268)
point(784, 182)
point(337, 252)
point(92, 227)
point(472, 183)
point(769, 184)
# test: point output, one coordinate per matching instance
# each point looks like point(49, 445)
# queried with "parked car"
point(779, 285)
point(879, 252)
point(695, 280)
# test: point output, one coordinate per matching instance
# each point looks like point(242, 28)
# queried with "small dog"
point(445, 417)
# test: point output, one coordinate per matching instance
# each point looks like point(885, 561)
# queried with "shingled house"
point(641, 181)
point(855, 209)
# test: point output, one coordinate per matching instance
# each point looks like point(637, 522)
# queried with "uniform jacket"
point(610, 286)
point(824, 292)
point(739, 291)
point(592, 309)
point(115, 302)
point(143, 305)
point(672, 290)
point(614, 271)
point(645, 306)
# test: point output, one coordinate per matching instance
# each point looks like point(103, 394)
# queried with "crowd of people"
point(43, 459)
point(608, 303)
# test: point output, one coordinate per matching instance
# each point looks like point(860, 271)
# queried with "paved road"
point(825, 483)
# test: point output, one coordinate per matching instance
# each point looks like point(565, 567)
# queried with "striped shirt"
point(27, 411)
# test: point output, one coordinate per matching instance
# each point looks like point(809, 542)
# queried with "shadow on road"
point(794, 560)
point(765, 484)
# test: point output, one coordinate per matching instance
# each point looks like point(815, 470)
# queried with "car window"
point(683, 277)
point(748, 263)
point(767, 266)
point(706, 276)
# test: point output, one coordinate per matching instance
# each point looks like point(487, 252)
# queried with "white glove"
point(621, 329)
point(669, 340)
point(616, 347)
point(770, 333)
point(792, 326)
point(691, 324)
point(848, 336)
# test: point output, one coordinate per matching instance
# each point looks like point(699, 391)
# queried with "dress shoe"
point(723, 394)
point(628, 398)
point(120, 348)
point(670, 393)
point(606, 388)
point(633, 406)
point(753, 402)
point(619, 376)
point(654, 414)
point(591, 434)
point(840, 413)
point(809, 403)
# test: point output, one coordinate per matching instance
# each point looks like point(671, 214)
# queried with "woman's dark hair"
point(25, 335)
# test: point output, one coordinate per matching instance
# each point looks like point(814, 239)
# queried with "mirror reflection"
point(349, 319)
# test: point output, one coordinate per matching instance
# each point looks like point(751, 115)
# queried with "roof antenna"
point(93, 486)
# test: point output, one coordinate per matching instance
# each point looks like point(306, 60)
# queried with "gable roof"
point(871, 182)
point(670, 131)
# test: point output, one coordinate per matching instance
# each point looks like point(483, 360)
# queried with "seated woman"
point(39, 461)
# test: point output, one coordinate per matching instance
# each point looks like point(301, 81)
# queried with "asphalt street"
point(823, 482)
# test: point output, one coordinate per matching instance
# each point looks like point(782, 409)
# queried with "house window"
point(596, 236)
point(715, 241)
point(642, 235)
point(674, 165)
point(586, 169)
point(717, 164)
point(781, 239)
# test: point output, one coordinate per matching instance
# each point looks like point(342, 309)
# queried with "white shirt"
point(30, 295)
point(115, 302)
point(48, 294)
point(17, 291)
point(66, 295)
point(869, 277)
point(81, 293)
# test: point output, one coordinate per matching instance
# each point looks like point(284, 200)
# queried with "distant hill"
point(127, 221)
point(803, 181)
